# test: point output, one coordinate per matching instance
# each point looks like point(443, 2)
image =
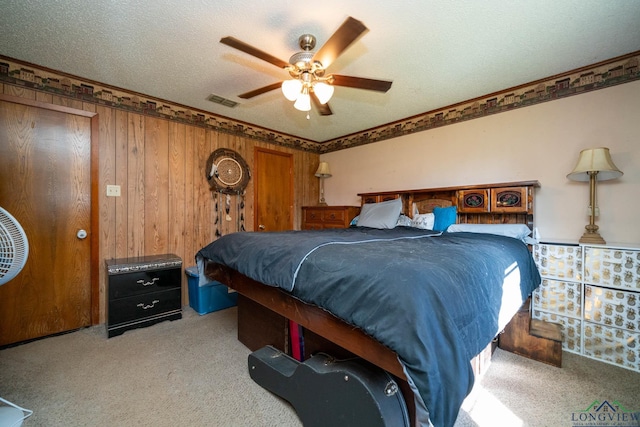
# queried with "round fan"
point(227, 172)
point(14, 247)
point(14, 250)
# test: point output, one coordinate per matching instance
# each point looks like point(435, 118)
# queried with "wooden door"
point(273, 190)
point(45, 183)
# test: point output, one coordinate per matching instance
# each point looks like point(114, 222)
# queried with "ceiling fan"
point(310, 82)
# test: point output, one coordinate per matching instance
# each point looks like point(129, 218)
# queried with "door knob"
point(261, 227)
point(81, 234)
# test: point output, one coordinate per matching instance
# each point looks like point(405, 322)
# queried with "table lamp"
point(594, 164)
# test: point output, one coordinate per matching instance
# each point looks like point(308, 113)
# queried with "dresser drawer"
point(612, 345)
point(612, 307)
point(143, 291)
point(325, 216)
point(571, 329)
point(559, 261)
point(146, 305)
point(558, 296)
point(610, 267)
point(334, 216)
point(312, 215)
point(319, 217)
point(142, 282)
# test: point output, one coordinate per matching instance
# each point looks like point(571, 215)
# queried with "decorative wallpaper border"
point(615, 71)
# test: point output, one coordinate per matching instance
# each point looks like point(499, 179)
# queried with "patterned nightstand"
point(593, 292)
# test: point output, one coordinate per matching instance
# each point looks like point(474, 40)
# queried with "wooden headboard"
point(501, 203)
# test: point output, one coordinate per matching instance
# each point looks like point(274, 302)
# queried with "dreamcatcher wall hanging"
point(227, 174)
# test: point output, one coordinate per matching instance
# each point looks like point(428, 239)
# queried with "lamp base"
point(323, 203)
point(594, 238)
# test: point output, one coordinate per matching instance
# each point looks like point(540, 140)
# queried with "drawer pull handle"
point(143, 283)
point(145, 307)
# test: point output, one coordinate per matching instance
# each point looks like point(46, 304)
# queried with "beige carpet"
point(192, 372)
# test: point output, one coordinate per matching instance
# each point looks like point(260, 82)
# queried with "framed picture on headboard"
point(512, 199)
point(476, 200)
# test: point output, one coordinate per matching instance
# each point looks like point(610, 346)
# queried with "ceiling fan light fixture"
point(323, 91)
point(303, 103)
point(291, 89)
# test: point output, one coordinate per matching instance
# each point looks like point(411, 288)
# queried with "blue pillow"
point(444, 217)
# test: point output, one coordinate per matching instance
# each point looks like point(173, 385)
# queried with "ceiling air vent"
point(223, 101)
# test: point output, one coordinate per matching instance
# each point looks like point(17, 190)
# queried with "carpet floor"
point(193, 372)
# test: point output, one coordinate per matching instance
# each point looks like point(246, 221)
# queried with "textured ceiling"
point(437, 53)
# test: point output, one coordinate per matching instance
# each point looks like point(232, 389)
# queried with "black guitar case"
point(328, 393)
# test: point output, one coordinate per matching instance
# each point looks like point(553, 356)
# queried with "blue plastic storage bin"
point(212, 297)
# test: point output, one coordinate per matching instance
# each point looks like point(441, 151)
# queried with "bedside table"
point(143, 291)
point(319, 217)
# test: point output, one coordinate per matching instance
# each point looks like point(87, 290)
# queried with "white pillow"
point(424, 221)
point(517, 231)
point(404, 221)
point(380, 215)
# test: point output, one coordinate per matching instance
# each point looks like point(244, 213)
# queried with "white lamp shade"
point(595, 160)
point(303, 103)
point(323, 91)
point(323, 170)
point(291, 89)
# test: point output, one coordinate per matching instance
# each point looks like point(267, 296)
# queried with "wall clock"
point(227, 172)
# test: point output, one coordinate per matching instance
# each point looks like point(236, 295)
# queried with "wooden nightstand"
point(319, 217)
point(143, 291)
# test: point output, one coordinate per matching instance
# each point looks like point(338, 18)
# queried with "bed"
point(420, 303)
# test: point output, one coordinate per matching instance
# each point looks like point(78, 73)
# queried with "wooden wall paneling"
point(215, 140)
point(189, 216)
point(121, 178)
point(249, 208)
point(203, 229)
point(308, 186)
point(299, 169)
point(188, 255)
point(136, 188)
point(107, 176)
point(20, 91)
point(235, 143)
point(217, 212)
point(156, 186)
point(44, 97)
point(107, 205)
point(67, 102)
point(177, 200)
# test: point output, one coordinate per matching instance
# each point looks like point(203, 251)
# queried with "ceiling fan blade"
point(261, 90)
point(323, 109)
point(246, 48)
point(361, 83)
point(344, 36)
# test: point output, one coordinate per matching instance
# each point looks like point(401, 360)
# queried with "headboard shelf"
point(498, 203)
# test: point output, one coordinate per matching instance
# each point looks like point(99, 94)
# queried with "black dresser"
point(143, 291)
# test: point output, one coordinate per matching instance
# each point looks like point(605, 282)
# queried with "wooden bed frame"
point(264, 312)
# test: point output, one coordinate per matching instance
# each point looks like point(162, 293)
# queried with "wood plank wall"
point(166, 205)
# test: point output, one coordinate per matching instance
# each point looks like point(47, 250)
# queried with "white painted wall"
point(541, 143)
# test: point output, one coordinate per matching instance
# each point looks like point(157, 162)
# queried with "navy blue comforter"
point(437, 300)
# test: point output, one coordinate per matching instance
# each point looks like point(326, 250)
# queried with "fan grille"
point(14, 247)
